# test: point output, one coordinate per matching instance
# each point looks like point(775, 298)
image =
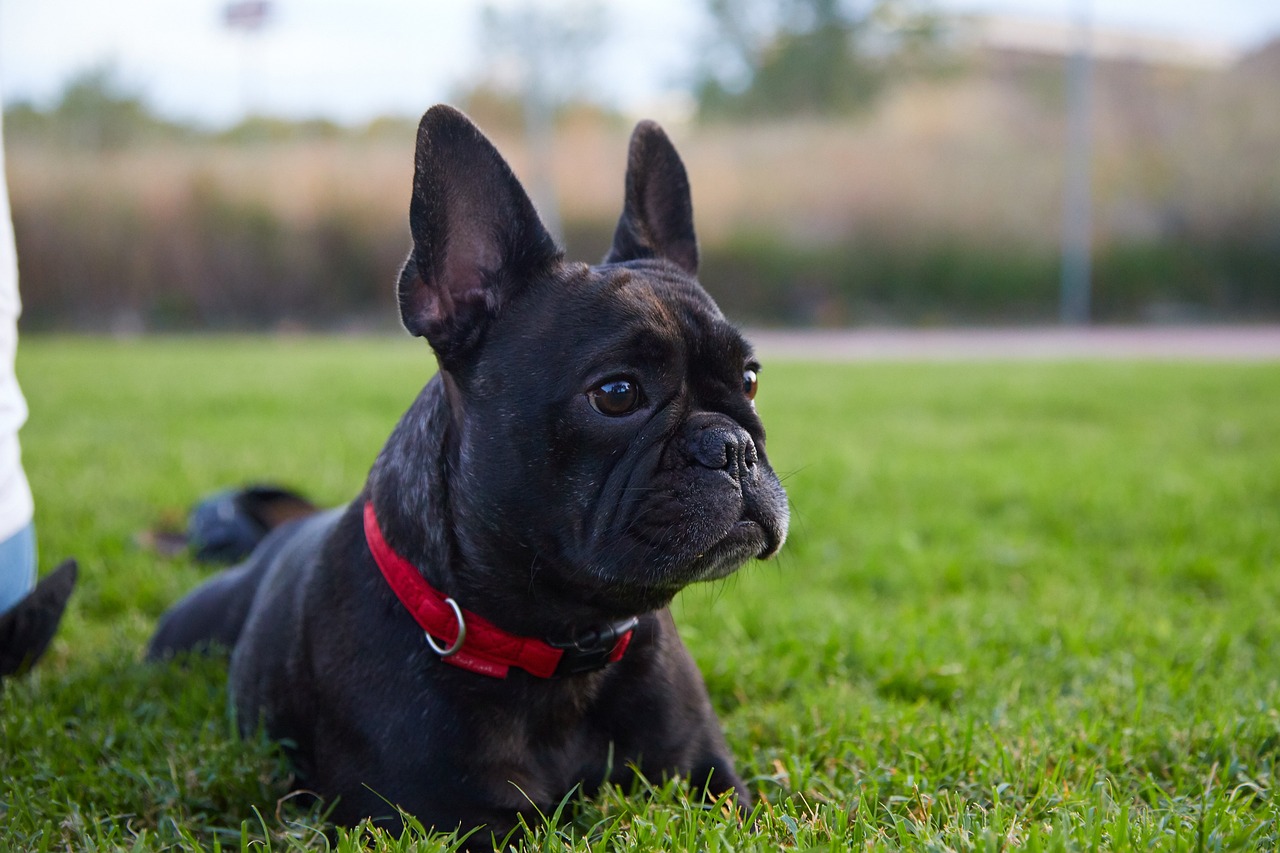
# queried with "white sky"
point(354, 59)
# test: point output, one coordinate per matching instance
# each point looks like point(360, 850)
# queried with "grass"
point(1024, 605)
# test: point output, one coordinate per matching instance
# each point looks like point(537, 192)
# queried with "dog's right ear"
point(476, 236)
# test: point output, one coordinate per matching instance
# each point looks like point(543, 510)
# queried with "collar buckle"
point(595, 648)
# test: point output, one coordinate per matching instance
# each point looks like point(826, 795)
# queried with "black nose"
point(725, 446)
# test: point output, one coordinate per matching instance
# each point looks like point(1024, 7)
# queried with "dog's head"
point(606, 439)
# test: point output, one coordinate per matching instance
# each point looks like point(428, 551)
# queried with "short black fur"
point(512, 494)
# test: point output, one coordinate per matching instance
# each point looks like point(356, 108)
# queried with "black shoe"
point(27, 627)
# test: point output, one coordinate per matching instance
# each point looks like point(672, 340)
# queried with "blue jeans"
point(17, 566)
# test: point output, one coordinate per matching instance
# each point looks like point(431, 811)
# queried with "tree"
point(95, 110)
point(789, 57)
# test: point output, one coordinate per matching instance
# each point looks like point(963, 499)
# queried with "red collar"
point(472, 642)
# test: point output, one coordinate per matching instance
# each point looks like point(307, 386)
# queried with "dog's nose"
point(727, 447)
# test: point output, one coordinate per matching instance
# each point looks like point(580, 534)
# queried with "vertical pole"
point(1077, 204)
point(539, 115)
point(246, 74)
point(247, 17)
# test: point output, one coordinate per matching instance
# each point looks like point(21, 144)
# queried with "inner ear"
point(476, 236)
point(657, 214)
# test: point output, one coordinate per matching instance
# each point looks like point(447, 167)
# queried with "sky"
point(352, 60)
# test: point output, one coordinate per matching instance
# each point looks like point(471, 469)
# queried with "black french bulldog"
point(588, 448)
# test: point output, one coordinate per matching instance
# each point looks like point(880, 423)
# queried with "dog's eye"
point(750, 383)
point(615, 398)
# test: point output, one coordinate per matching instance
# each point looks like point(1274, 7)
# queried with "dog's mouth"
point(746, 540)
point(703, 531)
point(664, 571)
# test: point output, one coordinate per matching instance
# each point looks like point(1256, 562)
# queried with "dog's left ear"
point(657, 216)
point(476, 236)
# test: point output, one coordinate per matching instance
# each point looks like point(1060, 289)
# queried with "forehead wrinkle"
point(640, 299)
point(669, 314)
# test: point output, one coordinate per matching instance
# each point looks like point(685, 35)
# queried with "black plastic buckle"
point(591, 650)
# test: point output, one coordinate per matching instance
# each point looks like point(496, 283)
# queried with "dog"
point(485, 626)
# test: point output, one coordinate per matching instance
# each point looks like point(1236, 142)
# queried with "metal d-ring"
point(462, 633)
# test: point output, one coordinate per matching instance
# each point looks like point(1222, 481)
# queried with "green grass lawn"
point(1024, 605)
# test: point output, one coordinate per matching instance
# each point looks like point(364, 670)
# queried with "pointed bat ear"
point(476, 237)
point(657, 215)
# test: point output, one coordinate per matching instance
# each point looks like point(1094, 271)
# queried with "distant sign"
point(247, 15)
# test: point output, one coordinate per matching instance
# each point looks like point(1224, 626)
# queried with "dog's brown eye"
point(750, 383)
point(615, 398)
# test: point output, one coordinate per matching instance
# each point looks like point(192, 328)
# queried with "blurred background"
point(246, 165)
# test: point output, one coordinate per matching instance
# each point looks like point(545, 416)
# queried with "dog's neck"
point(410, 483)
point(471, 642)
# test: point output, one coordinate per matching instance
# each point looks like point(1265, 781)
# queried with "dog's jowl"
point(485, 626)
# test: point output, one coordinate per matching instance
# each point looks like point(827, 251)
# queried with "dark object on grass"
point(27, 627)
point(227, 526)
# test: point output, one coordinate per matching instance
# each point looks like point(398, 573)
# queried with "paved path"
point(1222, 343)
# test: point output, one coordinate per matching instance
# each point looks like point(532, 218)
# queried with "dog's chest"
point(539, 753)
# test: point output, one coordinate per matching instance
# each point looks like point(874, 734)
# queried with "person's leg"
point(18, 545)
point(17, 566)
point(29, 612)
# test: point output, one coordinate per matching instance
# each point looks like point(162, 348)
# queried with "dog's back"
point(214, 615)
